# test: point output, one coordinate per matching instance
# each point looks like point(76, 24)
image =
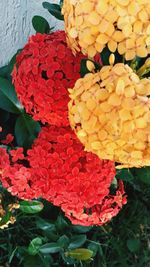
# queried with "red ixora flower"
point(9, 138)
point(59, 170)
point(45, 69)
point(17, 154)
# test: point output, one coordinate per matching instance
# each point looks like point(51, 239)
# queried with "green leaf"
point(54, 10)
point(77, 241)
point(81, 229)
point(8, 97)
point(4, 71)
point(40, 24)
point(26, 130)
point(82, 254)
point(94, 247)
point(31, 207)
point(143, 174)
point(50, 248)
point(34, 246)
point(61, 223)
point(125, 175)
point(114, 183)
point(133, 245)
point(44, 225)
point(5, 218)
point(34, 261)
point(63, 241)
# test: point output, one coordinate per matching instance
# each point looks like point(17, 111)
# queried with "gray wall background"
point(16, 26)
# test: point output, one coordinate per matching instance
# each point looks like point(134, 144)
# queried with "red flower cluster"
point(56, 167)
point(45, 69)
point(60, 171)
point(16, 177)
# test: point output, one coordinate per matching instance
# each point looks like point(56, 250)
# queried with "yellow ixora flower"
point(110, 113)
point(121, 24)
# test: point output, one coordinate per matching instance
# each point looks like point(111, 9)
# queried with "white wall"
point(16, 26)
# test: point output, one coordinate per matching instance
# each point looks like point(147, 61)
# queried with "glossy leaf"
point(125, 175)
point(82, 254)
point(44, 225)
point(8, 97)
point(77, 241)
point(34, 246)
point(61, 223)
point(63, 241)
point(31, 207)
point(81, 229)
point(50, 248)
point(40, 24)
point(26, 130)
point(54, 10)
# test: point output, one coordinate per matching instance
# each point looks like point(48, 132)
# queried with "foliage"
point(41, 235)
point(40, 24)
point(49, 239)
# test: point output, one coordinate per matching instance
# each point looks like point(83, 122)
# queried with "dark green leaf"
point(50, 248)
point(13, 253)
point(54, 10)
point(5, 218)
point(114, 183)
point(133, 245)
point(94, 247)
point(51, 235)
point(8, 97)
point(4, 71)
point(31, 207)
point(63, 241)
point(33, 261)
point(61, 223)
point(77, 241)
point(26, 130)
point(125, 175)
point(82, 254)
point(81, 229)
point(143, 174)
point(34, 246)
point(40, 24)
point(44, 225)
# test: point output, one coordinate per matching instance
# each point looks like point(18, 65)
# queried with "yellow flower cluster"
point(110, 113)
point(3, 213)
point(121, 24)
